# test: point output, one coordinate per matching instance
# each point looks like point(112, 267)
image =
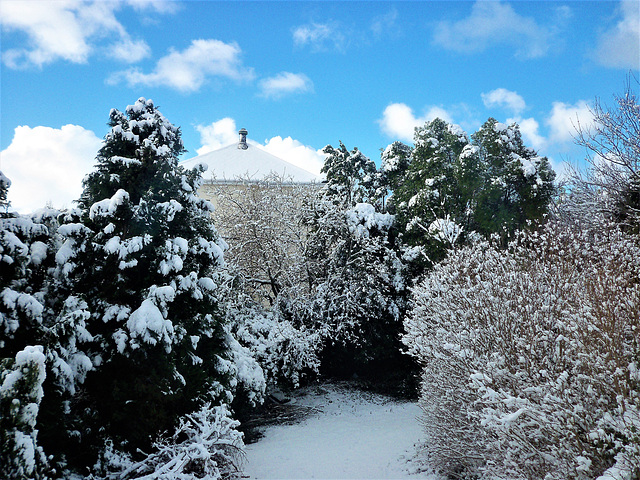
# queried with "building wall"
point(265, 225)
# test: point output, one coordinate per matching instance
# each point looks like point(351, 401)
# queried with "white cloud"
point(189, 69)
point(48, 164)
point(492, 23)
point(320, 36)
point(296, 153)
point(398, 120)
point(68, 30)
point(619, 47)
point(565, 118)
point(129, 51)
point(217, 135)
point(285, 83)
point(501, 97)
point(224, 132)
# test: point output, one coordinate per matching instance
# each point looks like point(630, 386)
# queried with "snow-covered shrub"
point(21, 391)
point(205, 445)
point(286, 353)
point(530, 356)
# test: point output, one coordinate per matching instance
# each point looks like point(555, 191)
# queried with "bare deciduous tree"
point(611, 185)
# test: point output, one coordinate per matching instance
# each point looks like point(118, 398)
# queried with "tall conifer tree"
point(141, 251)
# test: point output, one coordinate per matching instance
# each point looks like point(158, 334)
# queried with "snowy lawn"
point(350, 434)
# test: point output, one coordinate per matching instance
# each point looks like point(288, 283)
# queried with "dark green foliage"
point(140, 253)
point(517, 184)
point(450, 188)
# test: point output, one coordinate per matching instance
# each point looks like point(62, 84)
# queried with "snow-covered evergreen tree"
point(450, 188)
point(358, 279)
point(427, 190)
point(351, 176)
point(32, 312)
point(517, 183)
point(138, 263)
point(5, 183)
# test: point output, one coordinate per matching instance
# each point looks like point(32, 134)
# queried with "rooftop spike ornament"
point(242, 143)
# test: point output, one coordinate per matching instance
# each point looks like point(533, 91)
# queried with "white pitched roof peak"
point(242, 143)
point(240, 161)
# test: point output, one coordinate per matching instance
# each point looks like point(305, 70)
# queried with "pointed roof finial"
point(242, 143)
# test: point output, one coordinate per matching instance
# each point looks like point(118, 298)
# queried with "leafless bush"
point(264, 223)
point(530, 357)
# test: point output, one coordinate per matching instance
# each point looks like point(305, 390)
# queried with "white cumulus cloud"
point(619, 46)
point(129, 51)
point(530, 129)
point(70, 30)
point(398, 120)
point(285, 83)
point(565, 118)
point(48, 164)
point(160, 6)
point(493, 23)
point(296, 153)
point(501, 97)
point(189, 69)
point(217, 135)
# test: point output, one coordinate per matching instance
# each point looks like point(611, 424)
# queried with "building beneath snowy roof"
point(242, 166)
point(260, 202)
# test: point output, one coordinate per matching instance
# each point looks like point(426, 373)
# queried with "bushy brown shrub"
point(530, 357)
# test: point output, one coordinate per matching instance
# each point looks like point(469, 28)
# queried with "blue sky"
point(297, 75)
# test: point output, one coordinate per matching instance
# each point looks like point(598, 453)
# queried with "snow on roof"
point(239, 160)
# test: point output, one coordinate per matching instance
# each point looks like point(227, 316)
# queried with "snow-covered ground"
point(350, 434)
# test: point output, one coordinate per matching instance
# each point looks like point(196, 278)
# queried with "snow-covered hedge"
point(530, 357)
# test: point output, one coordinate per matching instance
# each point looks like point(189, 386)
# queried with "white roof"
point(229, 164)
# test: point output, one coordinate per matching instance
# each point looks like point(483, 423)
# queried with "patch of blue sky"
point(300, 75)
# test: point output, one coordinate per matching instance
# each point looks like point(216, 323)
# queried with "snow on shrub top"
point(362, 218)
